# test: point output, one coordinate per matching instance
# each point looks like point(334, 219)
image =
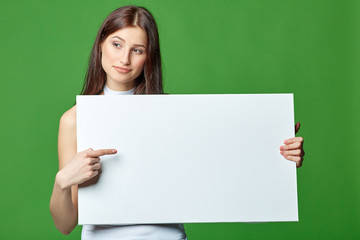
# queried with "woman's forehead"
point(130, 35)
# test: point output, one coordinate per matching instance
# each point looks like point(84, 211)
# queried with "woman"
point(125, 59)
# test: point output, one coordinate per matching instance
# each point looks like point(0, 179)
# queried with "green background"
point(307, 47)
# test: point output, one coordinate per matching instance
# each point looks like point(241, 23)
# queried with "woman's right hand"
point(82, 167)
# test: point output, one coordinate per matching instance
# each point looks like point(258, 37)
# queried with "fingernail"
point(281, 147)
point(285, 141)
point(114, 151)
point(282, 152)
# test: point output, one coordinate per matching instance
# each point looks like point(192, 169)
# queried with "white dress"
point(137, 231)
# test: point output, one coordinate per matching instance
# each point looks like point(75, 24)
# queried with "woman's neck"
point(120, 87)
point(109, 91)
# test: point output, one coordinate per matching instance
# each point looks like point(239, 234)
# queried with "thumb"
point(88, 150)
point(297, 127)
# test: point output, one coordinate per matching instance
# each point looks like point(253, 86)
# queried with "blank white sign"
point(188, 158)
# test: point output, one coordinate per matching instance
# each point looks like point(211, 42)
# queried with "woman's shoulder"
point(68, 119)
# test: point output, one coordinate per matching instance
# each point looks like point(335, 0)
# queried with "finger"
point(101, 152)
point(293, 140)
point(293, 158)
point(94, 173)
point(297, 127)
point(94, 160)
point(96, 166)
point(296, 152)
point(292, 146)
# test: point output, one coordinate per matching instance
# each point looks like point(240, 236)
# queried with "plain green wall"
point(307, 47)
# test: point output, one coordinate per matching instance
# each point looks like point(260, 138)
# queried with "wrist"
point(60, 181)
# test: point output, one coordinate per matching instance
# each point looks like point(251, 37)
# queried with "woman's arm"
point(74, 168)
point(63, 203)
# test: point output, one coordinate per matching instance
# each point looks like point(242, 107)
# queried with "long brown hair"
point(150, 79)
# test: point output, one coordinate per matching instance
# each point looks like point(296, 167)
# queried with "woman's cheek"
point(108, 57)
point(140, 62)
point(105, 61)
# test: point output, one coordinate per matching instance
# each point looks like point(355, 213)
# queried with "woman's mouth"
point(122, 70)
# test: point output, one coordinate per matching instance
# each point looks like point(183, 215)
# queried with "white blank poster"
point(188, 158)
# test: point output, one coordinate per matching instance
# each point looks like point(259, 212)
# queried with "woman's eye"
point(117, 45)
point(138, 50)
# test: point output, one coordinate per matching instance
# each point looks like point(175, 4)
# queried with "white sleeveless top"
point(137, 231)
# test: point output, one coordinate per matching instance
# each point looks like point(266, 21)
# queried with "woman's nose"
point(125, 57)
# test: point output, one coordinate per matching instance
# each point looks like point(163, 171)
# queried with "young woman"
point(125, 59)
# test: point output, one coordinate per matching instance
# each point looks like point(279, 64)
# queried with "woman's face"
point(123, 57)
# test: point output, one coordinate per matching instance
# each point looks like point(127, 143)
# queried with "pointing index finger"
point(101, 152)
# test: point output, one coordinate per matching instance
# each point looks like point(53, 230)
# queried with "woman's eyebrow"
point(121, 39)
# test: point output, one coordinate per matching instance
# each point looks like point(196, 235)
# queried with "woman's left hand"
point(293, 148)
